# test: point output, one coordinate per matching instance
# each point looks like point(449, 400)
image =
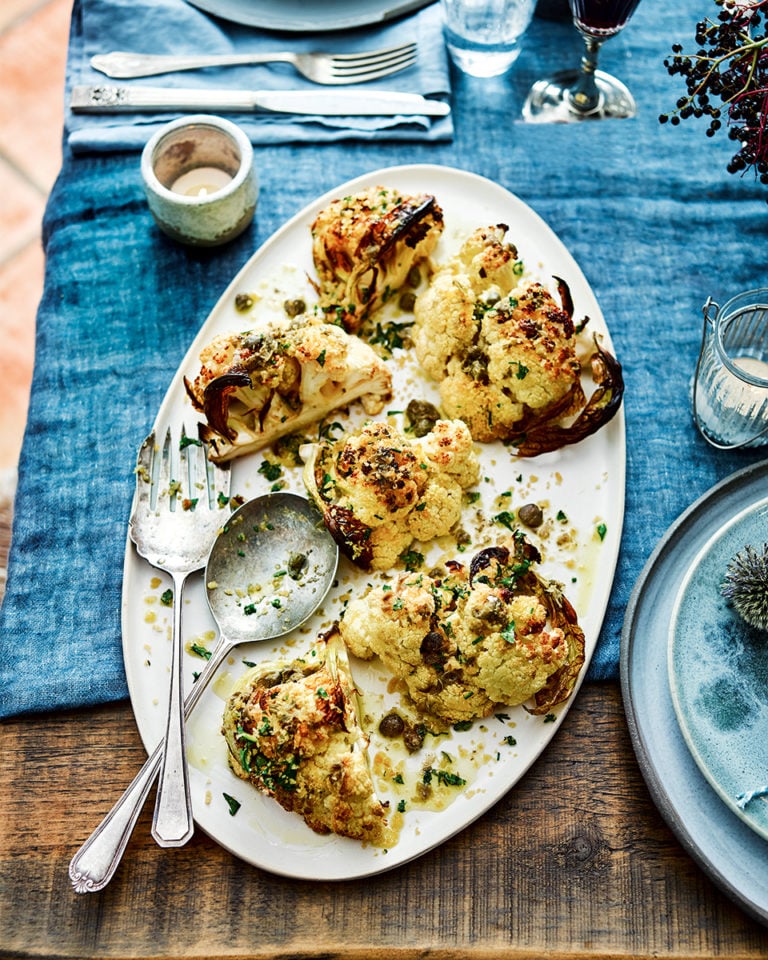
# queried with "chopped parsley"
point(391, 335)
point(506, 519)
point(272, 471)
point(412, 560)
point(443, 777)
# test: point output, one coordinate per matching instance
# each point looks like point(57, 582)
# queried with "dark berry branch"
point(728, 78)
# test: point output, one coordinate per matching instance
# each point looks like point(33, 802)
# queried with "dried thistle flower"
point(746, 586)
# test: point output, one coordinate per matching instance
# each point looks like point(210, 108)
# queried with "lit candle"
point(201, 181)
point(752, 366)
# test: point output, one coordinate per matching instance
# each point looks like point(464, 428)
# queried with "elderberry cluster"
point(727, 80)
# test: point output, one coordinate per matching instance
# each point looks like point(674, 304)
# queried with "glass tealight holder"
point(730, 386)
point(200, 181)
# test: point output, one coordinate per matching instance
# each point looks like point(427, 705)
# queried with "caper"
point(414, 276)
point(392, 725)
point(243, 302)
point(294, 307)
point(463, 539)
point(413, 737)
point(407, 301)
point(530, 514)
point(422, 410)
point(296, 564)
point(431, 644)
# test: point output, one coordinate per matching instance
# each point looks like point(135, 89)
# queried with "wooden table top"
point(575, 862)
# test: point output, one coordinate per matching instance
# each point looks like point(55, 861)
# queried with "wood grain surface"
point(574, 862)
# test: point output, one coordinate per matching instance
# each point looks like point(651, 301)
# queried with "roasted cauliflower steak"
point(505, 352)
point(380, 490)
point(364, 246)
point(477, 638)
point(258, 385)
point(293, 732)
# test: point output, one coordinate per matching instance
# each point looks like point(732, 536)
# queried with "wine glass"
point(588, 93)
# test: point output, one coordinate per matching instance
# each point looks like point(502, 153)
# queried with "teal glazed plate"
point(718, 674)
point(723, 845)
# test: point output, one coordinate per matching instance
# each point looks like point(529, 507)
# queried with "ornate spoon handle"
point(94, 864)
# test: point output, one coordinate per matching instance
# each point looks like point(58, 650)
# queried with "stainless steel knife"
point(359, 103)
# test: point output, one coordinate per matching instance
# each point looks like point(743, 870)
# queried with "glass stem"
point(584, 96)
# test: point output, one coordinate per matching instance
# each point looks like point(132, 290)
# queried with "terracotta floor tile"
point(33, 44)
point(12, 11)
point(32, 61)
point(22, 213)
point(21, 283)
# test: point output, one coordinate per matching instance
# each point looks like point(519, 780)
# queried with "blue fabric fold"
point(648, 211)
point(174, 26)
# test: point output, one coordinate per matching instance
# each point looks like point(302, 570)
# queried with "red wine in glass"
point(588, 93)
point(602, 17)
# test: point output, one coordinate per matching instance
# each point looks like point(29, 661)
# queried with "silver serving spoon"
point(269, 570)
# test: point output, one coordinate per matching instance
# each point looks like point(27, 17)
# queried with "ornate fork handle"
point(94, 864)
point(128, 65)
point(172, 824)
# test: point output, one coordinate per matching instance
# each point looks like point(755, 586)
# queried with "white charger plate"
point(298, 16)
point(585, 481)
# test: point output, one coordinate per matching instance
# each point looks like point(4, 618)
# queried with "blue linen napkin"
point(649, 213)
point(174, 26)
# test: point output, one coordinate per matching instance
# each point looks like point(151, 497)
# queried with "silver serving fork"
point(177, 512)
point(324, 68)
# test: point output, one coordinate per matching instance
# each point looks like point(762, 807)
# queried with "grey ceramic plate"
point(718, 674)
point(724, 846)
point(298, 16)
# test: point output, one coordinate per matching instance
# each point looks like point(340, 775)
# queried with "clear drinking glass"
point(587, 93)
point(730, 386)
point(484, 37)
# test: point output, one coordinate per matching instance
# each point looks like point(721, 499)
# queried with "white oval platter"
point(583, 483)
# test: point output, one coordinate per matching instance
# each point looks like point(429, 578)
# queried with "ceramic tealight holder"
point(200, 180)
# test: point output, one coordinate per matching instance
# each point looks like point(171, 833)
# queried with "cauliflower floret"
point(464, 644)
point(258, 385)
point(293, 731)
point(484, 269)
point(363, 247)
point(380, 490)
point(504, 351)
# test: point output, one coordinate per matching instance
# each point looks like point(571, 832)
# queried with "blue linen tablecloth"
point(649, 212)
point(174, 26)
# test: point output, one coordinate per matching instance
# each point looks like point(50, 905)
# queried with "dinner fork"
point(177, 512)
point(324, 68)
